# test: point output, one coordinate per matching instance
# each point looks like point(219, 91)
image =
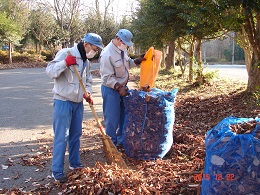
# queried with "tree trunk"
point(40, 52)
point(254, 76)
point(244, 43)
point(181, 58)
point(163, 57)
point(253, 33)
point(191, 55)
point(200, 64)
point(10, 53)
point(72, 42)
point(248, 59)
point(37, 47)
point(170, 55)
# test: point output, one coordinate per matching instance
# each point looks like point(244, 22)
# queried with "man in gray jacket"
point(114, 65)
point(68, 100)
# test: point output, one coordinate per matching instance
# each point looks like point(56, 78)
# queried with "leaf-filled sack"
point(232, 162)
point(148, 124)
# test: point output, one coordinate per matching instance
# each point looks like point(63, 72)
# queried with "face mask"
point(91, 54)
point(122, 47)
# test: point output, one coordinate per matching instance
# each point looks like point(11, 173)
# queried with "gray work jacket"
point(66, 83)
point(113, 68)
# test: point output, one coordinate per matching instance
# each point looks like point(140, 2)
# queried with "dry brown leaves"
point(43, 154)
point(23, 65)
point(243, 128)
point(110, 179)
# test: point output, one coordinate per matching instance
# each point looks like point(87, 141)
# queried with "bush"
point(256, 96)
point(24, 57)
point(212, 59)
point(210, 75)
point(30, 51)
point(47, 55)
point(3, 57)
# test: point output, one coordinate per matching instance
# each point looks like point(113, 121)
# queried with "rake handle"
point(86, 94)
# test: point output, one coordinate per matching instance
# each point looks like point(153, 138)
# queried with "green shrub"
point(256, 96)
point(212, 59)
point(210, 75)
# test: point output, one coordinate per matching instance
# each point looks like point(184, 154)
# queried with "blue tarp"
point(232, 162)
point(5, 47)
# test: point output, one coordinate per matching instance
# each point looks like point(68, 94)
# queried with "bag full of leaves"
point(232, 162)
point(148, 123)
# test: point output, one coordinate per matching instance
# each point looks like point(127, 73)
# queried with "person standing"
point(68, 100)
point(114, 65)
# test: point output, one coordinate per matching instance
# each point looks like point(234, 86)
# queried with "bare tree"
point(65, 12)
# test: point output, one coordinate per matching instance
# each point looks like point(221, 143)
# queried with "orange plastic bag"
point(150, 67)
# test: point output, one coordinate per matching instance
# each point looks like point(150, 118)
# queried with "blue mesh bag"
point(232, 162)
point(148, 124)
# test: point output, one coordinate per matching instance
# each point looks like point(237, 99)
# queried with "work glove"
point(146, 88)
point(88, 98)
point(138, 60)
point(122, 90)
point(70, 60)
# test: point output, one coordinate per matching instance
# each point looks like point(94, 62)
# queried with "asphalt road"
point(233, 72)
point(26, 100)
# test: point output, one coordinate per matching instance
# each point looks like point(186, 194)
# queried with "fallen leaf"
point(6, 178)
point(10, 160)
point(4, 167)
point(27, 180)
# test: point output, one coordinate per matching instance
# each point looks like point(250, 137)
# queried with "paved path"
point(232, 72)
point(26, 102)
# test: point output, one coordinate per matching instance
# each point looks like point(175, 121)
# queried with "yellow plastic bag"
point(150, 67)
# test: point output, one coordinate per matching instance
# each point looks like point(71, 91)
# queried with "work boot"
point(120, 148)
point(59, 176)
point(76, 166)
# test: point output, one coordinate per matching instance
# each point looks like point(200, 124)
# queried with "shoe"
point(76, 166)
point(59, 176)
point(120, 148)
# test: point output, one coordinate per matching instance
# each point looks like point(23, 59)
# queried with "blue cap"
point(126, 36)
point(93, 39)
